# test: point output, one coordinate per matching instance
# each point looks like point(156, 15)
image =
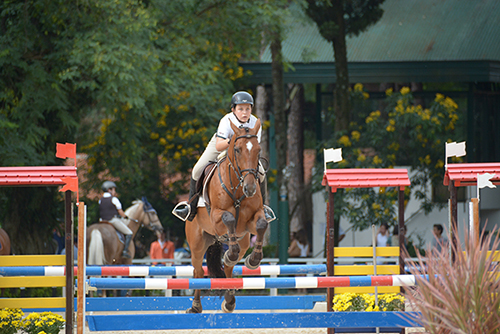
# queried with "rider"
point(110, 210)
point(241, 116)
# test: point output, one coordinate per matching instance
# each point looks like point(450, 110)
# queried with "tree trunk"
point(261, 110)
point(296, 196)
point(279, 108)
point(341, 92)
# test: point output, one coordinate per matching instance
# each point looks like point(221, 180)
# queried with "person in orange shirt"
point(161, 248)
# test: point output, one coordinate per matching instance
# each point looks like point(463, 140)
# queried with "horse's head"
point(144, 213)
point(243, 152)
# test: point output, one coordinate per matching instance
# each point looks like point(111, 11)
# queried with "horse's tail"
point(96, 248)
point(214, 263)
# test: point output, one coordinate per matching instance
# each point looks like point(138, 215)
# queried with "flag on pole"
point(67, 150)
point(455, 149)
point(332, 155)
point(71, 184)
point(483, 180)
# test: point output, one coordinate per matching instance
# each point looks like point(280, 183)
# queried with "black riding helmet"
point(241, 98)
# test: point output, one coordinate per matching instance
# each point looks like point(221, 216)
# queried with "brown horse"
point(4, 243)
point(103, 244)
point(233, 211)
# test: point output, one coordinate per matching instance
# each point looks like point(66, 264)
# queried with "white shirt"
point(114, 200)
point(382, 240)
point(226, 132)
point(304, 249)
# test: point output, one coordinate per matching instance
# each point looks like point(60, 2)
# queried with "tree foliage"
point(402, 134)
point(138, 85)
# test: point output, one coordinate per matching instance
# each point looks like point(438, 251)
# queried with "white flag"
point(331, 154)
point(483, 180)
point(455, 149)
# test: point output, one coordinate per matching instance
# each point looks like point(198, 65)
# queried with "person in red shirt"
point(161, 248)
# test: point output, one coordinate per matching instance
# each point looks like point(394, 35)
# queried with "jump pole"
point(143, 271)
point(252, 283)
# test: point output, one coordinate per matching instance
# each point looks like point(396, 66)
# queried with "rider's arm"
point(221, 144)
point(121, 213)
point(118, 206)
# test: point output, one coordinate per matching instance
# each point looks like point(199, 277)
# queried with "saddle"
point(201, 185)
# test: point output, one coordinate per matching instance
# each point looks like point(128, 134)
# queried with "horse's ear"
point(256, 128)
point(234, 127)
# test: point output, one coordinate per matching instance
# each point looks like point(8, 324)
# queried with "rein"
point(241, 174)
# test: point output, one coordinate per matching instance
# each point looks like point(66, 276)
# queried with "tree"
point(337, 19)
point(403, 134)
point(131, 82)
point(296, 189)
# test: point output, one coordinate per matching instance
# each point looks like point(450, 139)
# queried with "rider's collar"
point(241, 121)
point(106, 194)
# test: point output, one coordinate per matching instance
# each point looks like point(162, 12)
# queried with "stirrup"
point(180, 206)
point(269, 213)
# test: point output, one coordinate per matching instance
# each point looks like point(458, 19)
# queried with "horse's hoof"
point(227, 308)
point(249, 266)
point(227, 260)
point(193, 310)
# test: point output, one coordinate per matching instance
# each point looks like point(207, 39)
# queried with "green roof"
point(410, 30)
point(415, 40)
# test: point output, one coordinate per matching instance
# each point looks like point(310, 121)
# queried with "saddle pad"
point(204, 198)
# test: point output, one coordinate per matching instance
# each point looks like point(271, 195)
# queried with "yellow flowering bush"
point(356, 302)
point(12, 322)
point(45, 322)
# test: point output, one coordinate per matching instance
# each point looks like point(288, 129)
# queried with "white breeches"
point(120, 225)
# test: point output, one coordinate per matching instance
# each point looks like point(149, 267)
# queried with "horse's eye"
point(237, 150)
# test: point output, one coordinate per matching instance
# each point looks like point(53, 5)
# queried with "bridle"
point(241, 174)
point(149, 210)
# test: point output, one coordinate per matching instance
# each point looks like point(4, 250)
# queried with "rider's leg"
point(270, 216)
point(126, 253)
point(188, 210)
point(123, 228)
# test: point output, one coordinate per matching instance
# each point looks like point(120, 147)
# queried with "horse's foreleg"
point(196, 306)
point(232, 254)
point(253, 260)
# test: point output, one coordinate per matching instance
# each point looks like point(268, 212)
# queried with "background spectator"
point(161, 248)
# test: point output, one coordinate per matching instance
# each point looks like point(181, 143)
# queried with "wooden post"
point(69, 262)
point(475, 221)
point(82, 224)
point(453, 219)
point(330, 251)
point(402, 246)
point(401, 224)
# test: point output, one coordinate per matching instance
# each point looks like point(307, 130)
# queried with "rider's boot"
point(268, 212)
point(126, 254)
point(187, 210)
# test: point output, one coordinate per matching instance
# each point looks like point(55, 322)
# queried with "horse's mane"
point(133, 208)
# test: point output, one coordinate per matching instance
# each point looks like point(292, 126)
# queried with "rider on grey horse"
point(241, 116)
point(110, 210)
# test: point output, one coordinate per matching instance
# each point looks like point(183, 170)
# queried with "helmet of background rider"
point(108, 185)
